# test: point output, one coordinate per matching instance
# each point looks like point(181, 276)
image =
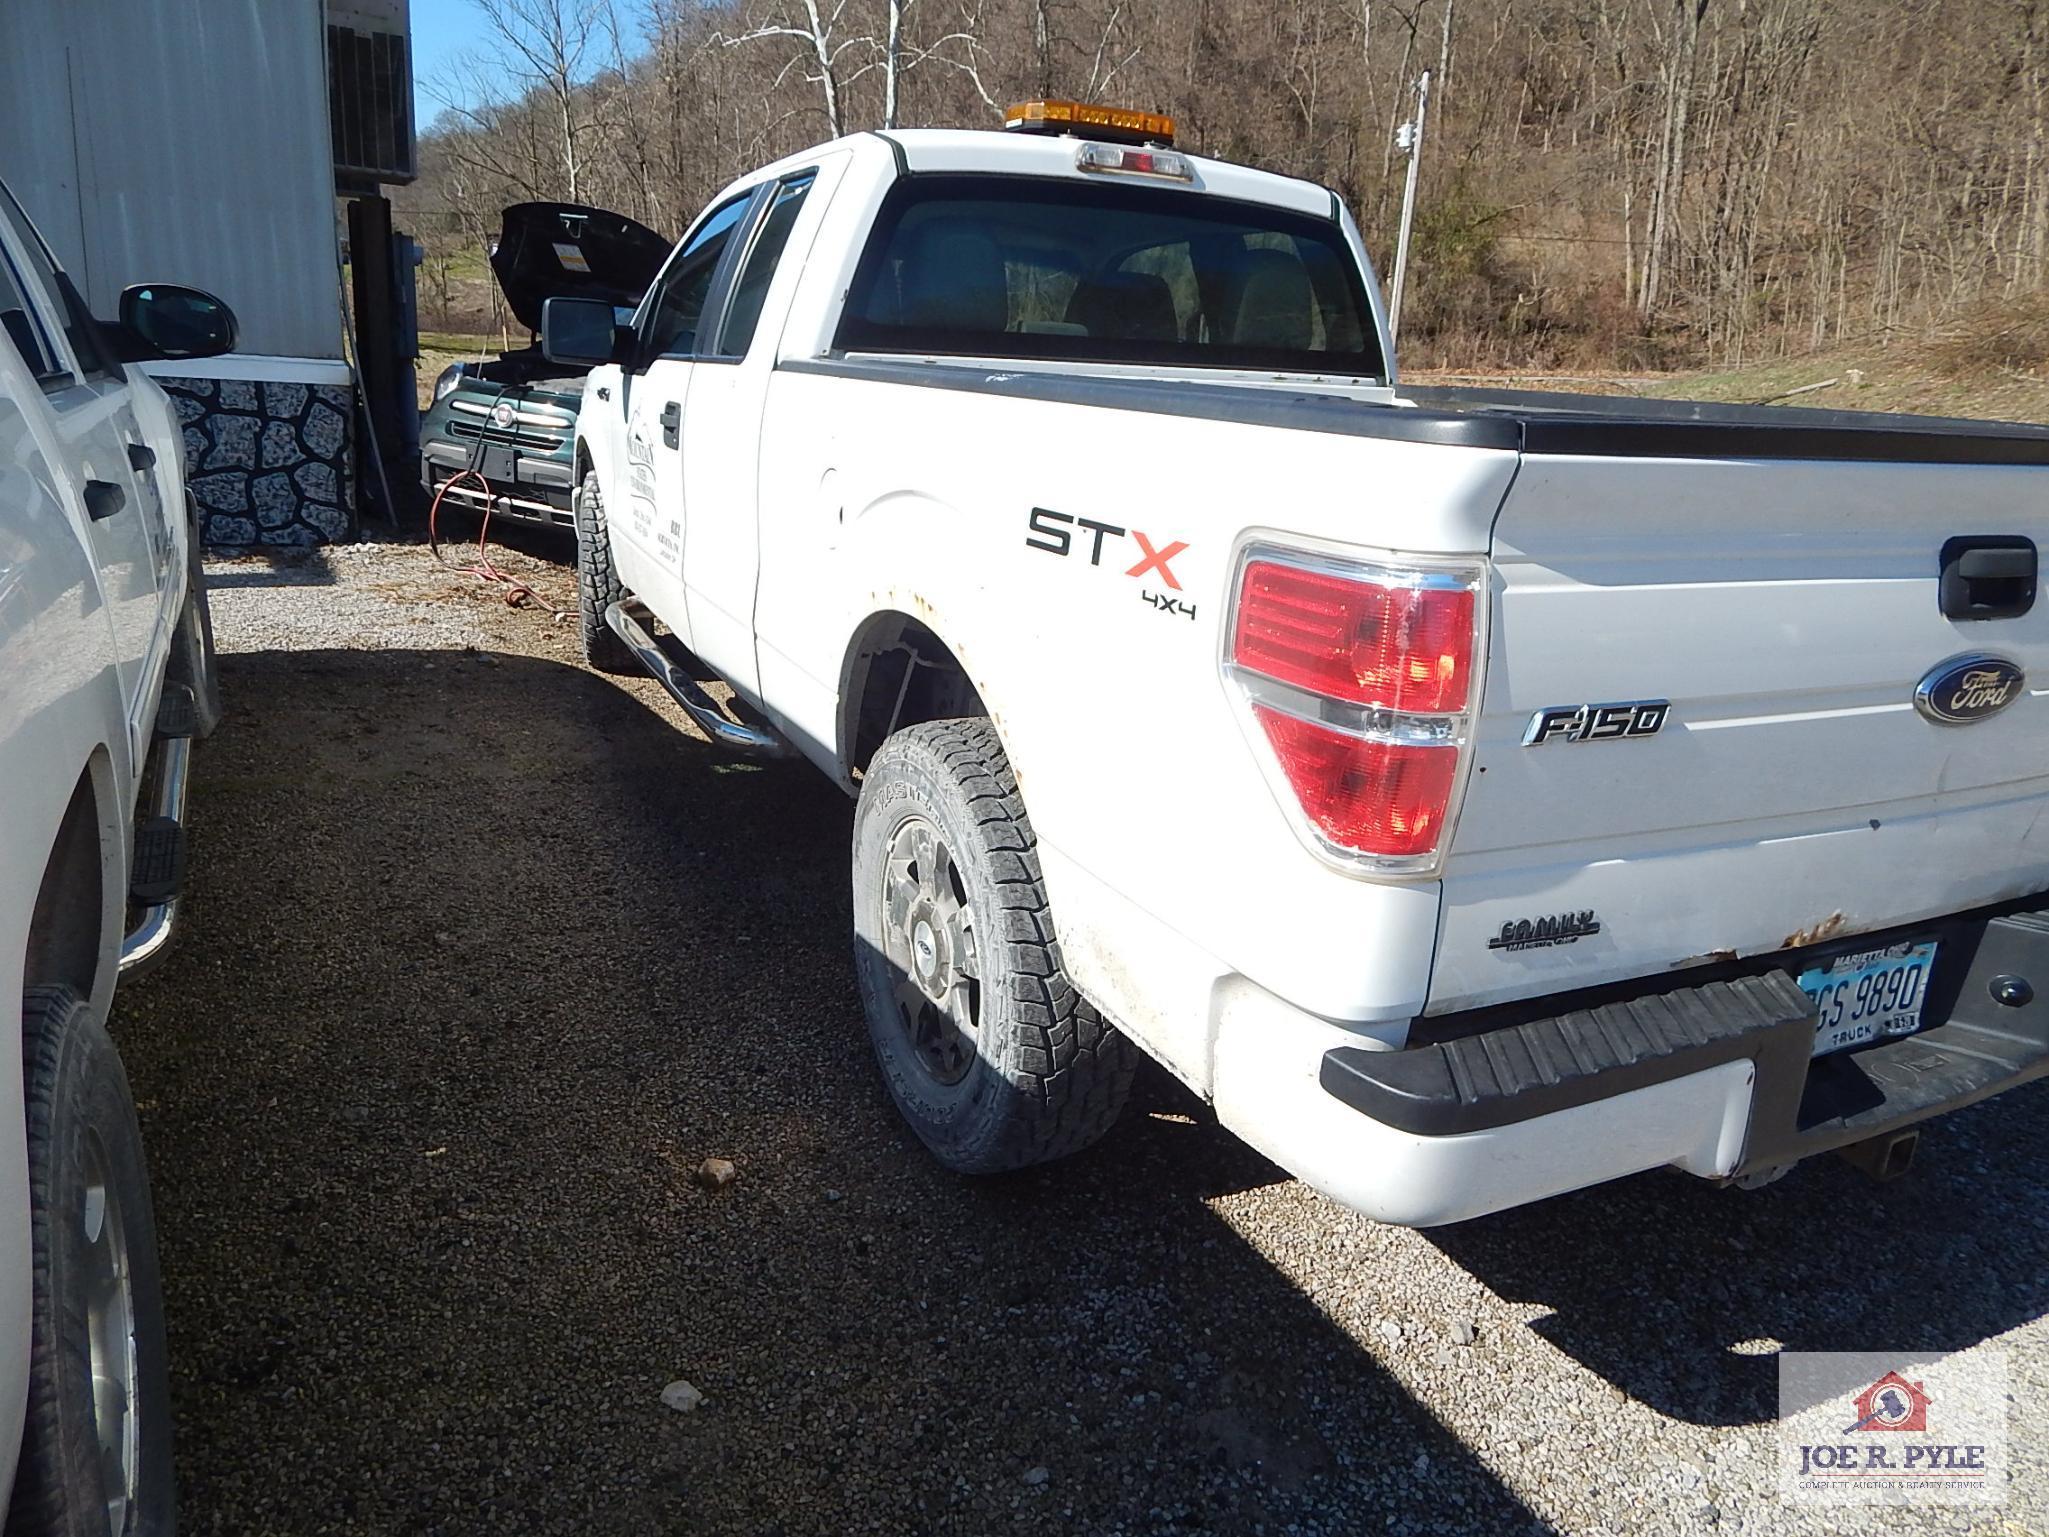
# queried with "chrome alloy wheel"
point(929, 932)
point(108, 1293)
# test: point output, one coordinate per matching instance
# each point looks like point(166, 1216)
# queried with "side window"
point(752, 290)
point(80, 329)
point(25, 329)
point(679, 299)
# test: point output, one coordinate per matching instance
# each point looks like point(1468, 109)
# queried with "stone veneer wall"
point(268, 463)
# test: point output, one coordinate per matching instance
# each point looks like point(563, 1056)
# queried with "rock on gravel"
point(516, 911)
point(682, 1397)
point(716, 1173)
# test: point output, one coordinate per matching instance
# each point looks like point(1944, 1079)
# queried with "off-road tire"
point(75, 1089)
point(1049, 1074)
point(597, 585)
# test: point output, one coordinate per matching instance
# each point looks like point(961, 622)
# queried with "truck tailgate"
point(1786, 608)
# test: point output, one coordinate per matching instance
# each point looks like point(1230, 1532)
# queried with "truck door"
point(722, 438)
point(650, 518)
point(100, 452)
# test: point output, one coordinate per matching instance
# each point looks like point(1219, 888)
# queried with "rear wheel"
point(96, 1448)
point(989, 1052)
point(597, 585)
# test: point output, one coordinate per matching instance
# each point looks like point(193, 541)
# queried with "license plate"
point(497, 463)
point(1858, 998)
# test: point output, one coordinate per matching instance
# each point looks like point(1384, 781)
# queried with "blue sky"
point(444, 31)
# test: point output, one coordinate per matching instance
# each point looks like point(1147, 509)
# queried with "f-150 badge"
point(1597, 722)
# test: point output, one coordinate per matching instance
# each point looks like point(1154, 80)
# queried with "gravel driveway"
point(483, 956)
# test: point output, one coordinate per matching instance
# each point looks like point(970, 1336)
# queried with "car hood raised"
point(563, 250)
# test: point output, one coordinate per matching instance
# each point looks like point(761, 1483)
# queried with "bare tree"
point(546, 44)
point(1647, 180)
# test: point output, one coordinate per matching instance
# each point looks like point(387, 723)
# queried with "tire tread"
point(597, 582)
point(1074, 1067)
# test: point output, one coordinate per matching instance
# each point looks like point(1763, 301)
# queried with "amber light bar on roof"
point(1118, 123)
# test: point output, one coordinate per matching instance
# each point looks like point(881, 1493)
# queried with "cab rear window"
point(983, 266)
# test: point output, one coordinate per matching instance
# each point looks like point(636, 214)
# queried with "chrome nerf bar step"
point(163, 830)
point(671, 666)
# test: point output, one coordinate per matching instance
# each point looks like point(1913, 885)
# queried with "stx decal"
point(1056, 534)
point(1059, 540)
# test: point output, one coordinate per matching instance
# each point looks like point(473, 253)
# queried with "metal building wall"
point(180, 141)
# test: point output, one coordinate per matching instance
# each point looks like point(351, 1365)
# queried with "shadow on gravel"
point(1673, 1289)
point(481, 960)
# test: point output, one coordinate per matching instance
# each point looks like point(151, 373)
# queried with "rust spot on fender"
point(1828, 928)
point(1712, 957)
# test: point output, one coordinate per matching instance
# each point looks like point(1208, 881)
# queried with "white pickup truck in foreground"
point(106, 677)
point(1473, 797)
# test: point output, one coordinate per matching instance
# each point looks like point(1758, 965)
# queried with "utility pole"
point(1409, 138)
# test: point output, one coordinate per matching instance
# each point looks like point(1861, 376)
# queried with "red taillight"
point(1385, 798)
point(1360, 677)
point(1394, 646)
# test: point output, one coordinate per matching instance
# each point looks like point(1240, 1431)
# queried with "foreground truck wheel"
point(988, 1050)
point(96, 1451)
point(597, 584)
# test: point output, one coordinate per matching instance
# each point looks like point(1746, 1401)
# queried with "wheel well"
point(64, 931)
point(898, 674)
point(581, 462)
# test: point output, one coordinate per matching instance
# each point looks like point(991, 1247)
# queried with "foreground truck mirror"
point(579, 332)
point(168, 320)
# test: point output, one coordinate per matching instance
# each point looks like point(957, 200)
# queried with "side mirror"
point(167, 320)
point(582, 333)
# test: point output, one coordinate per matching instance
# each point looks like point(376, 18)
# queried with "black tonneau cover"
point(1626, 427)
point(1525, 421)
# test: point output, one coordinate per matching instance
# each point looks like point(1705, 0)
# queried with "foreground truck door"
point(721, 438)
point(100, 447)
point(650, 520)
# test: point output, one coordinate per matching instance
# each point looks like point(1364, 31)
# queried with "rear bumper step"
point(1990, 1035)
point(672, 666)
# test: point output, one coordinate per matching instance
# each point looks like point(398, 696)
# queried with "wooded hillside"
point(1605, 183)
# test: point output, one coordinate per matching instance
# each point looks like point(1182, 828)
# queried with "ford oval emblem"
point(1968, 688)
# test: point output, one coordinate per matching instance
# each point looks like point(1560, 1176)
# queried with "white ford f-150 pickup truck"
point(1473, 797)
point(106, 677)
